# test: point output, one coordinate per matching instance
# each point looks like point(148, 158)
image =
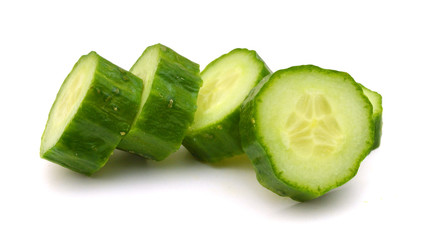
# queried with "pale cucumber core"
point(68, 100)
point(145, 68)
point(312, 129)
point(226, 83)
point(315, 125)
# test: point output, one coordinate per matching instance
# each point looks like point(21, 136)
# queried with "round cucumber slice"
point(306, 130)
point(227, 81)
point(171, 83)
point(377, 114)
point(94, 109)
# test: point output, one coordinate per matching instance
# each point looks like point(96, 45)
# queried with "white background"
point(380, 43)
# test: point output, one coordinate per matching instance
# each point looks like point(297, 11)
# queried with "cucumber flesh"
point(227, 81)
point(95, 107)
point(306, 130)
point(145, 68)
point(172, 84)
point(377, 114)
point(214, 133)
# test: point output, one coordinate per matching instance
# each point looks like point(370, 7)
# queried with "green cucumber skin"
point(222, 139)
point(107, 111)
point(169, 109)
point(258, 153)
point(378, 130)
point(217, 141)
point(377, 116)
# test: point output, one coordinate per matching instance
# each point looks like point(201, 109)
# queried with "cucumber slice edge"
point(377, 103)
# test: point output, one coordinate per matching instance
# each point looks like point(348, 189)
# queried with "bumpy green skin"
point(377, 114)
point(256, 149)
point(169, 109)
point(217, 141)
point(105, 114)
point(221, 139)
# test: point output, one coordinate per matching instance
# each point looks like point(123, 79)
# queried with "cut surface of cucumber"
point(94, 108)
point(306, 130)
point(68, 100)
point(227, 81)
point(169, 97)
point(377, 114)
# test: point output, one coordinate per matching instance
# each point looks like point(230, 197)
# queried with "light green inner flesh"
point(225, 85)
point(311, 128)
point(68, 100)
point(315, 127)
point(145, 68)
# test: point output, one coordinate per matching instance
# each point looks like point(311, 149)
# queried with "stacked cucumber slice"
point(168, 102)
point(305, 129)
point(214, 134)
point(94, 109)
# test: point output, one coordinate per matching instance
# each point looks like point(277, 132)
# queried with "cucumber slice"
point(95, 107)
point(377, 114)
point(214, 134)
point(168, 104)
point(306, 130)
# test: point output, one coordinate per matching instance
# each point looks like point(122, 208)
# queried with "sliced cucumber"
point(214, 134)
point(377, 114)
point(306, 130)
point(171, 83)
point(94, 109)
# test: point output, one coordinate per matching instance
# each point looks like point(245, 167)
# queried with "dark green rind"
point(378, 130)
point(255, 147)
point(106, 112)
point(169, 109)
point(377, 116)
point(221, 139)
point(217, 141)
